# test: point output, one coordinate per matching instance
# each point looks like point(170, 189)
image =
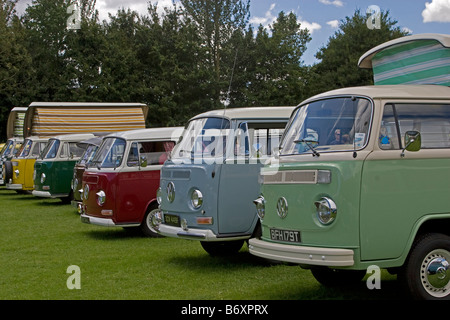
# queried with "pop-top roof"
point(416, 59)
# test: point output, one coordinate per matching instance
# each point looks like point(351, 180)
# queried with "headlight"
point(260, 206)
point(159, 195)
point(86, 192)
point(75, 184)
point(326, 210)
point(101, 197)
point(170, 192)
point(43, 176)
point(196, 199)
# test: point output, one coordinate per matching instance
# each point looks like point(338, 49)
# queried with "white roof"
point(430, 92)
point(149, 133)
point(249, 113)
point(74, 137)
point(366, 59)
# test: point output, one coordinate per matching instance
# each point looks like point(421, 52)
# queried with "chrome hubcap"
point(435, 273)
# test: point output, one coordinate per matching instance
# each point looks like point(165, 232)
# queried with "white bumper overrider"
point(301, 254)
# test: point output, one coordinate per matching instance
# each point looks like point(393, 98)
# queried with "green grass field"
point(41, 238)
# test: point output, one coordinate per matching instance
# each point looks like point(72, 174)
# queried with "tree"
point(217, 21)
point(15, 63)
point(338, 66)
point(272, 72)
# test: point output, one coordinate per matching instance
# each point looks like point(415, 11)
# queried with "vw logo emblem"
point(282, 207)
point(170, 192)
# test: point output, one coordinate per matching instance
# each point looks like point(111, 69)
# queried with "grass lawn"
point(41, 238)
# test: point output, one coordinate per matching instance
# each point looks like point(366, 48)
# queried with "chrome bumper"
point(193, 234)
point(14, 186)
point(105, 222)
point(300, 254)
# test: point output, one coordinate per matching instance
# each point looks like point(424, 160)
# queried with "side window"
point(74, 150)
point(36, 149)
point(258, 139)
point(156, 152)
point(64, 151)
point(431, 120)
point(133, 155)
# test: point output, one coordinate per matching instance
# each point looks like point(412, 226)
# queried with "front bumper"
point(104, 222)
point(42, 194)
point(194, 234)
point(14, 186)
point(301, 254)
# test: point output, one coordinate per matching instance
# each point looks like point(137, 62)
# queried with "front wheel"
point(222, 248)
point(147, 227)
point(426, 273)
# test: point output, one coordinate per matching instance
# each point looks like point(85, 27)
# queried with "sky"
point(321, 17)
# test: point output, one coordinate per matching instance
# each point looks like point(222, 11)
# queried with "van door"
point(397, 191)
point(238, 187)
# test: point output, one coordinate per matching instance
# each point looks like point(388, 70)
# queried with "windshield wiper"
point(308, 143)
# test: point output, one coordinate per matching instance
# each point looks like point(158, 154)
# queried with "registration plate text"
point(285, 235)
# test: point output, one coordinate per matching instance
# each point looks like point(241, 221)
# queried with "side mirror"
point(413, 141)
point(143, 162)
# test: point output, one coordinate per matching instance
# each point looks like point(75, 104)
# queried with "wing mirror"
point(413, 141)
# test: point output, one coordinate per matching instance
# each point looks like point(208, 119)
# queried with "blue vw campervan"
point(208, 186)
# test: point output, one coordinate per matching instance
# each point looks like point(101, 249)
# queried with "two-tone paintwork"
point(227, 184)
point(53, 172)
point(130, 191)
point(382, 198)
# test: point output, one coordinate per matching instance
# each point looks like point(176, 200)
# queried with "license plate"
point(172, 220)
point(285, 235)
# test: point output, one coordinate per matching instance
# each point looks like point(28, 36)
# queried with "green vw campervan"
point(53, 171)
point(363, 175)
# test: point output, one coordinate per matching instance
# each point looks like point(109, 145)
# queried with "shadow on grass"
point(115, 233)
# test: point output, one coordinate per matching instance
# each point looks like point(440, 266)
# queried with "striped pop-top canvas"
point(415, 62)
point(56, 121)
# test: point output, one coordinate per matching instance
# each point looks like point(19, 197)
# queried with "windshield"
point(203, 138)
point(25, 149)
point(89, 154)
point(337, 124)
point(51, 149)
point(110, 154)
point(8, 148)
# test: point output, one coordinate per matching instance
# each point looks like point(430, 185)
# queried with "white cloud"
point(140, 6)
point(436, 11)
point(333, 23)
point(268, 18)
point(336, 3)
point(311, 26)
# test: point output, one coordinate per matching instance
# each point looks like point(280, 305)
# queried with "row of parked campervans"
point(347, 180)
point(359, 179)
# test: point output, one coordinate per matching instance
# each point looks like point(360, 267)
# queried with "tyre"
point(8, 173)
point(222, 248)
point(426, 273)
point(147, 227)
point(337, 277)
